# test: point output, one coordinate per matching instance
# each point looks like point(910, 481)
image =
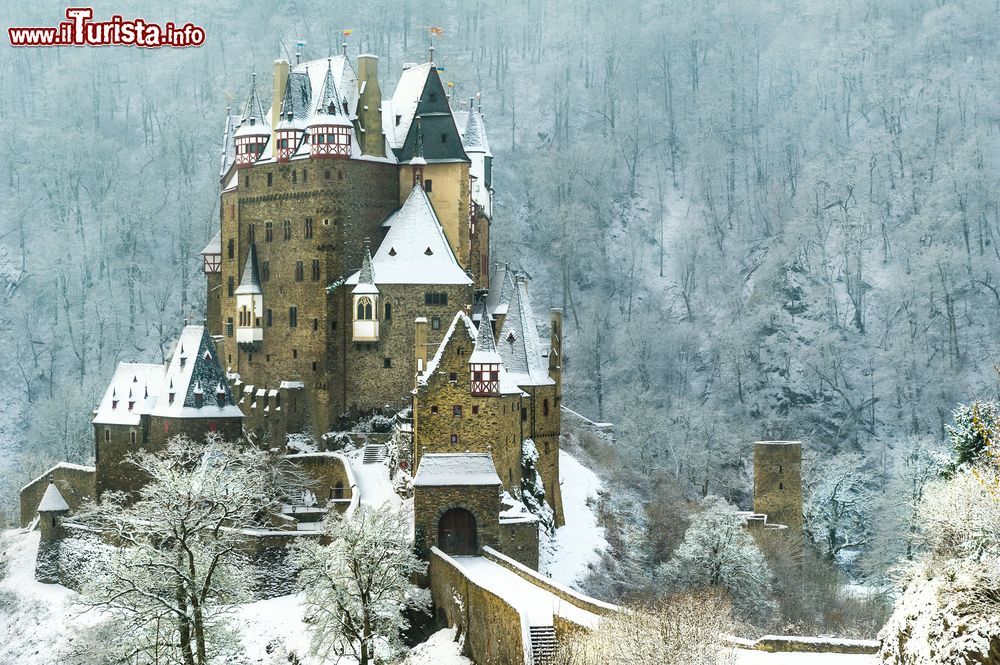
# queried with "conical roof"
point(366, 278)
point(485, 350)
point(250, 283)
point(253, 120)
point(518, 343)
point(329, 108)
point(52, 501)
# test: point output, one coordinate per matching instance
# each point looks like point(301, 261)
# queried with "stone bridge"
point(508, 613)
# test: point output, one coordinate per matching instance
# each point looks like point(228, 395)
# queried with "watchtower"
point(777, 482)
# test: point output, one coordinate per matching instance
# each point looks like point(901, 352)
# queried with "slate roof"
point(415, 250)
point(519, 343)
point(485, 350)
point(501, 289)
point(214, 245)
point(456, 469)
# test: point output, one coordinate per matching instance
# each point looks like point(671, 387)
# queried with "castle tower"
point(484, 363)
point(370, 107)
point(51, 511)
point(365, 300)
point(250, 303)
point(252, 136)
point(777, 483)
point(330, 129)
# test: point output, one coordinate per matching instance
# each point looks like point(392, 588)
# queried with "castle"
point(351, 275)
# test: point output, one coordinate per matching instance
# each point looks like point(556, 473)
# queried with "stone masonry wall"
point(430, 503)
point(492, 628)
point(486, 424)
point(328, 471)
point(519, 541)
point(76, 484)
point(777, 483)
point(543, 427)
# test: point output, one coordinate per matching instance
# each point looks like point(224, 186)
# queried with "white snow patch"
point(567, 556)
point(440, 649)
point(753, 657)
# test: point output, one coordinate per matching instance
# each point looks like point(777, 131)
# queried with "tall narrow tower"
point(777, 482)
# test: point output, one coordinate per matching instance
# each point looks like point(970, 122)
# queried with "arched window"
point(388, 311)
point(364, 309)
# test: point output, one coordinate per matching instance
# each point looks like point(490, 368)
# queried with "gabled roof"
point(456, 469)
point(404, 102)
point(518, 342)
point(194, 368)
point(52, 501)
point(250, 282)
point(415, 250)
point(463, 326)
point(420, 93)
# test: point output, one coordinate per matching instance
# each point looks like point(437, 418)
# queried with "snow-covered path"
point(566, 557)
point(537, 604)
point(374, 483)
point(751, 657)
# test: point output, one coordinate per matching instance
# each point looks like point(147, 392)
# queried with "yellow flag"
point(436, 31)
point(347, 33)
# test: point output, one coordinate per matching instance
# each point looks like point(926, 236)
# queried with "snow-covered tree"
point(163, 568)
point(975, 431)
point(533, 488)
point(358, 585)
point(949, 611)
point(680, 628)
point(718, 553)
point(839, 504)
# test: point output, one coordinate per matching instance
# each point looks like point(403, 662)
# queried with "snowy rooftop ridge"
point(519, 343)
point(443, 469)
point(470, 330)
point(415, 250)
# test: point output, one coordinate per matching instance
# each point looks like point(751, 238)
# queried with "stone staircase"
point(374, 453)
point(543, 645)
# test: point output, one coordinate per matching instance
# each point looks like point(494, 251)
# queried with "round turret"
point(250, 140)
point(288, 135)
point(330, 134)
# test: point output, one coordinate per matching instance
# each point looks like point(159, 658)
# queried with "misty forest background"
point(763, 219)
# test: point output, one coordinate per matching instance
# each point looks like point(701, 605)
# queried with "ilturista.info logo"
point(79, 29)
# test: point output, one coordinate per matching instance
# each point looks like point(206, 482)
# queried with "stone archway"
point(457, 532)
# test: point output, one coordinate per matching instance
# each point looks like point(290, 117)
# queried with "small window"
point(333, 324)
point(230, 286)
point(457, 410)
point(435, 298)
point(428, 185)
point(265, 271)
point(231, 248)
point(308, 226)
point(269, 318)
point(475, 410)
point(340, 174)
point(295, 353)
point(107, 435)
point(315, 324)
point(295, 177)
point(453, 377)
point(269, 180)
point(299, 271)
point(293, 317)
point(267, 357)
point(779, 468)
point(314, 365)
point(252, 233)
point(246, 182)
point(268, 231)
point(229, 327)
point(545, 407)
point(434, 410)
point(454, 438)
point(387, 363)
point(388, 311)
point(326, 174)
point(435, 323)
point(399, 119)
point(287, 224)
point(315, 270)
point(305, 176)
point(444, 138)
point(524, 415)
point(432, 97)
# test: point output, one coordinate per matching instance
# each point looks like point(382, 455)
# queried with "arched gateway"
point(457, 532)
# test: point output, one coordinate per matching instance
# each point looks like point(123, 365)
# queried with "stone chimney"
point(372, 141)
point(279, 80)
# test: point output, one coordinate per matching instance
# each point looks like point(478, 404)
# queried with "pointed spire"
point(329, 98)
point(250, 282)
point(485, 350)
point(253, 109)
point(418, 152)
point(366, 278)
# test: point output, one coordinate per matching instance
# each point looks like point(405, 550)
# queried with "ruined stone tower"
point(777, 483)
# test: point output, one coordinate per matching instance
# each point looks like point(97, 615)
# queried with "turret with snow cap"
point(330, 129)
point(252, 136)
point(365, 296)
point(484, 363)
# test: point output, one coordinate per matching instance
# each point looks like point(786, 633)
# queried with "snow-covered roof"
point(138, 383)
point(518, 342)
point(485, 350)
point(473, 130)
point(415, 250)
point(214, 245)
point(403, 103)
point(366, 278)
point(228, 145)
point(60, 465)
point(501, 289)
point(250, 282)
point(463, 324)
point(52, 501)
point(195, 369)
point(443, 469)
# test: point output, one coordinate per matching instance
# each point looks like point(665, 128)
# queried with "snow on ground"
point(440, 649)
point(272, 626)
point(566, 557)
point(373, 482)
point(534, 602)
point(34, 617)
point(752, 657)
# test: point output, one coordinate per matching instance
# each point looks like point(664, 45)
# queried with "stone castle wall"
point(519, 540)
point(430, 503)
point(544, 425)
point(77, 484)
point(777, 483)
